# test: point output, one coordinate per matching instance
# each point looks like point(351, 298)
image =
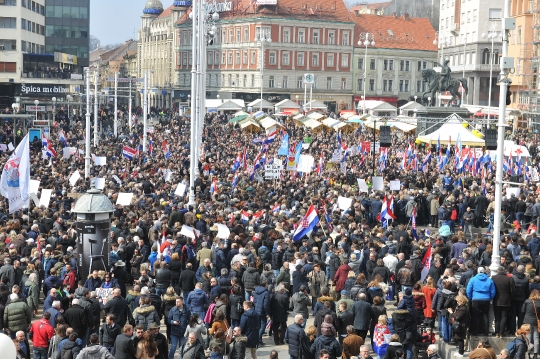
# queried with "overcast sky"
point(114, 21)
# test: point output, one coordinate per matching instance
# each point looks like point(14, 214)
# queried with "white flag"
point(16, 176)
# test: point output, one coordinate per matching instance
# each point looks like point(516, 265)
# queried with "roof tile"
point(166, 13)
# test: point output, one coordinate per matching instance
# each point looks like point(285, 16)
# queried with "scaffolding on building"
point(528, 91)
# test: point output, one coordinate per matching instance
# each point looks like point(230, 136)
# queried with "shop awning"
point(238, 118)
point(268, 122)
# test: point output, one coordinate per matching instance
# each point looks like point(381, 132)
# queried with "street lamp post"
point(87, 139)
point(442, 40)
point(491, 32)
point(96, 137)
point(69, 98)
point(53, 113)
point(365, 39)
point(264, 36)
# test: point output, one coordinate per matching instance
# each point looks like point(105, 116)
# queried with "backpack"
point(26, 291)
point(512, 347)
point(188, 253)
point(66, 354)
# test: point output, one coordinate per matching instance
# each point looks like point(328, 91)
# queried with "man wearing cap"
point(161, 341)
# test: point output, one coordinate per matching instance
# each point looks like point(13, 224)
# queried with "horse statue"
point(443, 82)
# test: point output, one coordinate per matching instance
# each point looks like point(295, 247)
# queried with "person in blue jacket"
point(197, 301)
point(480, 291)
point(178, 318)
point(250, 324)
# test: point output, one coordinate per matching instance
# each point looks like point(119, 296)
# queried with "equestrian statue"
point(441, 82)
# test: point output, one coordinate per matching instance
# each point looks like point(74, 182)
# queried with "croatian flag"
point(214, 187)
point(150, 146)
point(235, 180)
point(425, 164)
point(44, 142)
point(426, 263)
point(307, 224)
point(276, 208)
point(328, 220)
point(62, 137)
point(413, 224)
point(320, 166)
point(245, 159)
point(50, 151)
point(340, 142)
point(128, 152)
point(258, 215)
point(245, 217)
point(237, 162)
point(271, 137)
point(166, 150)
point(386, 211)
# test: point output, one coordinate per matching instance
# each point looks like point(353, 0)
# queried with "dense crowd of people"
point(218, 297)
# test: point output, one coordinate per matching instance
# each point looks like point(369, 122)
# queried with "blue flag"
point(298, 152)
point(284, 148)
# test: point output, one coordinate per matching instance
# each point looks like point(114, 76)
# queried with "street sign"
point(35, 108)
point(309, 78)
point(272, 171)
point(125, 79)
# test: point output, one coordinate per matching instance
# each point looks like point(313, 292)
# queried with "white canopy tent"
point(286, 105)
point(230, 104)
point(450, 132)
point(377, 108)
point(396, 125)
point(515, 150)
point(315, 105)
point(256, 105)
point(409, 108)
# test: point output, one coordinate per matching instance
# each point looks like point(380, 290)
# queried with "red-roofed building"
point(307, 37)
point(393, 67)
point(376, 8)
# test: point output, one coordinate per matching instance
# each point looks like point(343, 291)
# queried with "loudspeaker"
point(491, 139)
point(385, 137)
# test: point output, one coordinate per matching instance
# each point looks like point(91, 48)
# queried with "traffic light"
point(508, 97)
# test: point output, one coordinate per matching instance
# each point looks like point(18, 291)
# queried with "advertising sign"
point(41, 90)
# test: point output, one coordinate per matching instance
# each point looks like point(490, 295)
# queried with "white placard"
point(514, 190)
point(277, 162)
point(378, 184)
point(305, 146)
point(10, 146)
point(99, 183)
point(180, 190)
point(44, 154)
point(336, 156)
point(362, 185)
point(305, 163)
point(272, 171)
point(117, 179)
point(167, 174)
point(45, 197)
point(344, 203)
point(100, 161)
point(3, 147)
point(124, 199)
point(189, 231)
point(34, 198)
point(343, 167)
point(66, 151)
point(223, 231)
point(74, 178)
point(33, 186)
point(395, 185)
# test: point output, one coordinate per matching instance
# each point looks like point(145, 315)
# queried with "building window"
point(360, 64)
point(300, 82)
point(230, 36)
point(372, 64)
point(316, 37)
point(9, 45)
point(238, 35)
point(246, 34)
point(300, 61)
point(422, 65)
point(9, 2)
point(237, 80)
point(23, 46)
point(371, 85)
point(345, 41)
point(237, 58)
point(331, 38)
point(359, 84)
point(23, 24)
point(344, 60)
point(404, 65)
point(388, 65)
point(245, 58)
point(301, 36)
point(387, 85)
point(286, 36)
point(519, 35)
point(229, 83)
point(184, 58)
point(329, 83)
point(271, 81)
point(253, 57)
point(419, 86)
point(330, 60)
point(272, 58)
point(229, 60)
point(285, 82)
point(343, 83)
point(315, 60)
point(223, 58)
point(245, 81)
point(252, 81)
point(223, 37)
point(209, 58)
point(8, 22)
point(216, 60)
point(403, 85)
point(286, 58)
point(495, 13)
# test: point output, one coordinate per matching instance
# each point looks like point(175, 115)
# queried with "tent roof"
point(238, 118)
point(411, 105)
point(315, 104)
point(511, 148)
point(311, 123)
point(298, 117)
point(257, 104)
point(248, 122)
point(450, 131)
point(216, 103)
point(376, 105)
point(315, 116)
point(259, 114)
point(268, 122)
point(401, 126)
point(286, 104)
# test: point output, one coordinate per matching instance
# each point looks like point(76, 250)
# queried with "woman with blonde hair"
point(521, 341)
point(530, 310)
point(147, 347)
point(381, 332)
point(461, 316)
point(169, 301)
point(306, 341)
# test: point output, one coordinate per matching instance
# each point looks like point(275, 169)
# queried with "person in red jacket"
point(70, 277)
point(41, 333)
point(341, 276)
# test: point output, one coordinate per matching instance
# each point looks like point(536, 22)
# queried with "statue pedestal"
point(430, 119)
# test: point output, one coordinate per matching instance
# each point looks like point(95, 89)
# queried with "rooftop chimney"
point(406, 16)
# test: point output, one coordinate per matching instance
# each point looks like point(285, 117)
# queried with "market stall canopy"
point(249, 125)
point(312, 105)
point(333, 123)
point(513, 149)
point(283, 104)
point(216, 103)
point(257, 104)
point(237, 118)
point(355, 119)
point(315, 116)
point(375, 106)
point(410, 108)
point(312, 124)
point(268, 122)
point(395, 125)
point(449, 132)
point(259, 114)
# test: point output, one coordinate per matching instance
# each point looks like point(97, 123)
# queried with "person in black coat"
point(363, 314)
point(319, 317)
point(123, 346)
point(121, 276)
point(460, 315)
point(294, 334)
point(381, 270)
point(78, 318)
point(117, 306)
point(521, 284)
point(345, 318)
point(279, 306)
point(250, 325)
point(187, 280)
point(108, 333)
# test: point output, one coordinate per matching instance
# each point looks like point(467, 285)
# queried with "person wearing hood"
point(393, 346)
point(197, 301)
point(94, 350)
point(321, 314)
point(521, 293)
point(481, 291)
point(238, 344)
point(73, 344)
point(299, 279)
point(261, 300)
point(145, 314)
point(327, 326)
point(407, 302)
point(250, 324)
point(329, 343)
point(405, 326)
point(251, 278)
